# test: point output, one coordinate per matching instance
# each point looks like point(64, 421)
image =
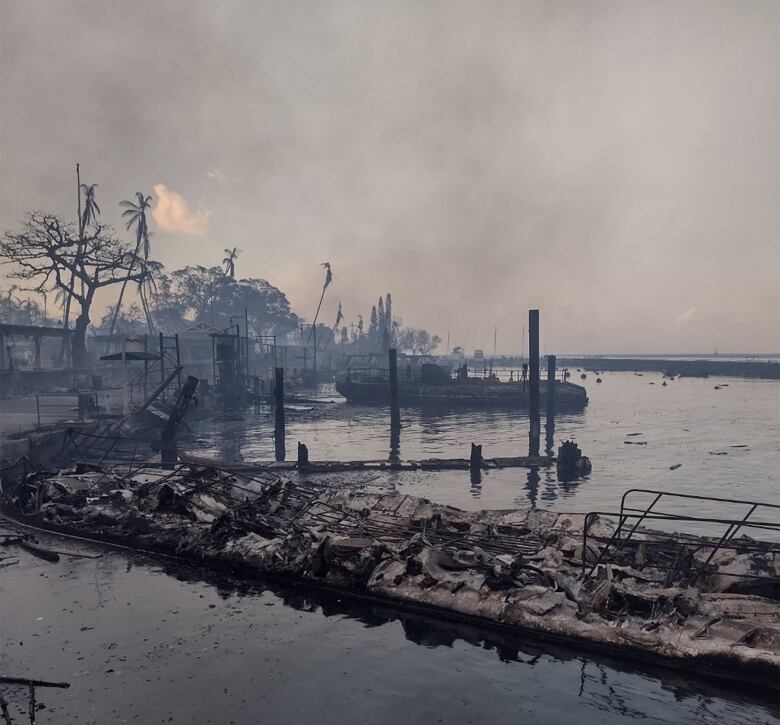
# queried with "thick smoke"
point(616, 164)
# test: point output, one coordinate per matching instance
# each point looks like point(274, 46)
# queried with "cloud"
point(173, 215)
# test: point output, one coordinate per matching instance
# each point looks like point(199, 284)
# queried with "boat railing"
point(631, 517)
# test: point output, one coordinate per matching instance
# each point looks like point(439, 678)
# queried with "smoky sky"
point(614, 163)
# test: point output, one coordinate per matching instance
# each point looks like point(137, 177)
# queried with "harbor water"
point(148, 640)
point(722, 435)
point(145, 642)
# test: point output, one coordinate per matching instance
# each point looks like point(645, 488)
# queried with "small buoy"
point(598, 380)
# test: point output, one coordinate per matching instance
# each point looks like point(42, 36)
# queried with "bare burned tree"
point(49, 252)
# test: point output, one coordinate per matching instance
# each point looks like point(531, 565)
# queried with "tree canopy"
point(48, 252)
point(198, 293)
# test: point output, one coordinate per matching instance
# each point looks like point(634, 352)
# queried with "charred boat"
point(602, 581)
point(432, 384)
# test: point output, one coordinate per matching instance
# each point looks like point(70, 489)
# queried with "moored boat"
point(433, 384)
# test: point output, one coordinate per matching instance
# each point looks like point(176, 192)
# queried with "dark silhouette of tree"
point(130, 321)
point(419, 342)
point(47, 251)
point(327, 283)
point(89, 214)
point(135, 215)
point(373, 327)
point(335, 329)
point(197, 294)
point(18, 311)
point(91, 209)
point(230, 262)
point(381, 324)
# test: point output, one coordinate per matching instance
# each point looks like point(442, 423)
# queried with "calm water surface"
point(727, 442)
point(147, 644)
point(142, 642)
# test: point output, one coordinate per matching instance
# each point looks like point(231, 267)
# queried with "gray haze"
point(615, 163)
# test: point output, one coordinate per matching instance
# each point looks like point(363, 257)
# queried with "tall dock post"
point(550, 427)
point(533, 369)
point(279, 432)
point(395, 413)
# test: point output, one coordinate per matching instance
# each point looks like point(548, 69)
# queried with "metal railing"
point(631, 518)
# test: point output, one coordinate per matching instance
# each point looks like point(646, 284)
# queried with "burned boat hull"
point(517, 570)
point(470, 393)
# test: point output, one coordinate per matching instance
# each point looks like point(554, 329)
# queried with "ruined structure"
point(683, 600)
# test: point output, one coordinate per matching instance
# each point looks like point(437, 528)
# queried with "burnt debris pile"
point(703, 602)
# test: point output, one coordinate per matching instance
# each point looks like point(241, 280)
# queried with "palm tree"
point(91, 209)
point(45, 296)
point(136, 217)
point(328, 281)
point(60, 297)
point(230, 262)
point(335, 328)
point(147, 286)
point(7, 305)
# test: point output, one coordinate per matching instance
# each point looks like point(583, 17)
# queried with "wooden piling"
point(395, 412)
point(475, 460)
point(533, 393)
point(475, 465)
point(550, 427)
point(303, 455)
point(279, 426)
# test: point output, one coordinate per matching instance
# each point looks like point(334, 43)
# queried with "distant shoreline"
point(678, 365)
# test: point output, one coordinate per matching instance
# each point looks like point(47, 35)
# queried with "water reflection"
point(531, 487)
point(605, 682)
point(395, 444)
point(230, 438)
point(549, 441)
point(475, 477)
point(678, 424)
